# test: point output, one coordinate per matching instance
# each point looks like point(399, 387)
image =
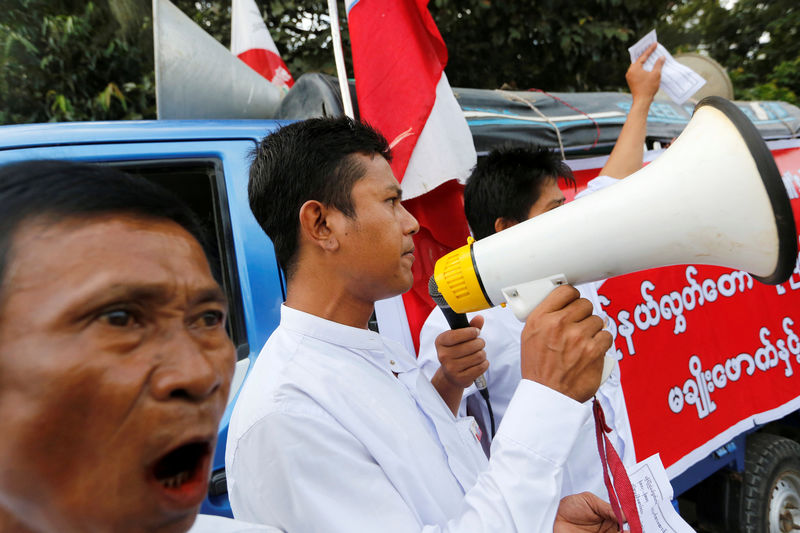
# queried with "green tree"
point(64, 61)
point(758, 42)
point(73, 60)
point(548, 44)
point(79, 60)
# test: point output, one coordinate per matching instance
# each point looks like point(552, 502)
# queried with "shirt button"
point(391, 362)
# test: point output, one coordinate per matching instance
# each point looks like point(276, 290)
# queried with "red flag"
point(252, 43)
point(399, 58)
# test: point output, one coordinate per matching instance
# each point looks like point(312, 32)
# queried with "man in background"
point(507, 187)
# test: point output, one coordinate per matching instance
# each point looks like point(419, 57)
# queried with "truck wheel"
point(771, 491)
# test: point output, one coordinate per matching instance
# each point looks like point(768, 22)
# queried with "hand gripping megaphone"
point(714, 197)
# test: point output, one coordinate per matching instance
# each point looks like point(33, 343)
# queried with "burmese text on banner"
point(706, 353)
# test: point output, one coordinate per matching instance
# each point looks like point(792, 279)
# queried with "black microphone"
point(458, 321)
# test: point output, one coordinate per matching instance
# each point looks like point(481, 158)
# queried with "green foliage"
point(73, 60)
point(758, 42)
point(549, 44)
point(65, 61)
point(302, 33)
point(79, 60)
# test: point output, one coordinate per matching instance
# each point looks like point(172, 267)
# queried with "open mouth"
point(183, 472)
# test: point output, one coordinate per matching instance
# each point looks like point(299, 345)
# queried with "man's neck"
point(329, 302)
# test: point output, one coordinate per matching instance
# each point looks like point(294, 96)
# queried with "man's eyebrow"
point(210, 295)
point(123, 291)
point(395, 189)
point(155, 292)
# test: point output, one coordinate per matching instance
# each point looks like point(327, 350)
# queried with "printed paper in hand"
point(678, 81)
point(653, 493)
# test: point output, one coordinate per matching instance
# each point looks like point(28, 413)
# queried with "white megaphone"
point(714, 197)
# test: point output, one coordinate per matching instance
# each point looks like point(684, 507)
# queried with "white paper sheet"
point(678, 81)
point(653, 493)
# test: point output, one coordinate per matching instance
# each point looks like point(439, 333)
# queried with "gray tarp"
point(497, 117)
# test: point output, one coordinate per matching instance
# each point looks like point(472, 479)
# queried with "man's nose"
point(186, 369)
point(411, 223)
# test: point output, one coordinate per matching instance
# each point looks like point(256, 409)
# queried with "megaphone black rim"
point(773, 184)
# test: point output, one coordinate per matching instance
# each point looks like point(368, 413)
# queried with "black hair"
point(506, 184)
point(308, 160)
point(53, 191)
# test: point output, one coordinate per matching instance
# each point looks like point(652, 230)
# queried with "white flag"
point(252, 43)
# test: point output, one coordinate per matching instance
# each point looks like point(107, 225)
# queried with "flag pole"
point(338, 55)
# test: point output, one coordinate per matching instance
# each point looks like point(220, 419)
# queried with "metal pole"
point(338, 54)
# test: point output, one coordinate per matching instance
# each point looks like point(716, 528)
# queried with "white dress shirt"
point(336, 429)
point(219, 524)
point(501, 332)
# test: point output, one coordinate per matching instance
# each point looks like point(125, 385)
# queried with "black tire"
point(771, 489)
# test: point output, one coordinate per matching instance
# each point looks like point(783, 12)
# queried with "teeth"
point(175, 481)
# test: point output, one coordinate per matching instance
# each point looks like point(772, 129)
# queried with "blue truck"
point(206, 163)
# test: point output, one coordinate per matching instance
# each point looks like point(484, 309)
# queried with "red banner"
point(706, 352)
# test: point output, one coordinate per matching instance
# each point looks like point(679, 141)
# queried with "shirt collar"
point(383, 352)
point(328, 331)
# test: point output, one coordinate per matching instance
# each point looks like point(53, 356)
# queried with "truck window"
point(201, 184)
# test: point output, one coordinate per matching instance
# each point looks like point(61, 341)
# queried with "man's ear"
point(501, 223)
point(315, 225)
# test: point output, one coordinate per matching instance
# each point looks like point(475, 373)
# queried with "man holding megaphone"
point(336, 429)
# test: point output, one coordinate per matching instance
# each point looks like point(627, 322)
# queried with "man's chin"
point(176, 524)
point(399, 291)
point(184, 524)
point(406, 287)
point(398, 285)
point(121, 523)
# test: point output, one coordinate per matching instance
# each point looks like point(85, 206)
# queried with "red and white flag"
point(252, 43)
point(399, 58)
